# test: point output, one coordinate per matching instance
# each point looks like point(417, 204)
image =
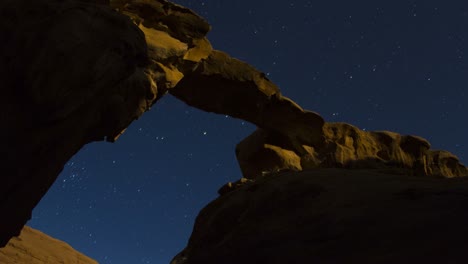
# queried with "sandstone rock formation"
point(80, 71)
point(72, 72)
point(181, 58)
point(334, 216)
point(344, 146)
point(35, 247)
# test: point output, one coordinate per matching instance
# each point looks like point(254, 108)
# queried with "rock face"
point(80, 71)
point(344, 146)
point(334, 216)
point(73, 72)
point(35, 247)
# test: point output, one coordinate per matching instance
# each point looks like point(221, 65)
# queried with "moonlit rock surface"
point(344, 146)
point(34, 247)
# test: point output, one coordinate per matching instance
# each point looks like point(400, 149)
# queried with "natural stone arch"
point(118, 61)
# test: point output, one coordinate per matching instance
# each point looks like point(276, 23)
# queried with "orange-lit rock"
point(34, 247)
point(345, 146)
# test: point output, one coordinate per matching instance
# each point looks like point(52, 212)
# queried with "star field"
point(399, 66)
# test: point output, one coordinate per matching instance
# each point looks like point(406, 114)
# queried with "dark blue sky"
point(399, 66)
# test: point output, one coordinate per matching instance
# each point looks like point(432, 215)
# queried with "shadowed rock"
point(80, 71)
point(72, 73)
point(334, 216)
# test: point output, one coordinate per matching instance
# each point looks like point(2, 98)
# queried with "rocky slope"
point(35, 247)
point(77, 71)
point(334, 216)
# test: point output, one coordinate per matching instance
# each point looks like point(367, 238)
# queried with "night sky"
point(379, 65)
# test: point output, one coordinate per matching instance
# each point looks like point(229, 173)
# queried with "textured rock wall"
point(35, 247)
point(344, 146)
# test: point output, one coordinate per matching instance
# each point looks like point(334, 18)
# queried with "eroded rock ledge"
point(76, 71)
point(344, 146)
